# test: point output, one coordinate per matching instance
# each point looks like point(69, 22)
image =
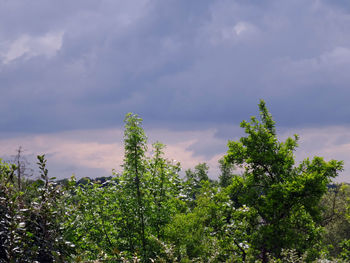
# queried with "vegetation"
point(273, 211)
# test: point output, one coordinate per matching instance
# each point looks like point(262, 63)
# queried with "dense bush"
point(31, 219)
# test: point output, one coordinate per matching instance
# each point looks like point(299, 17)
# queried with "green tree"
point(335, 204)
point(194, 182)
point(133, 184)
point(12, 221)
point(125, 216)
point(226, 173)
point(31, 220)
point(284, 197)
point(93, 219)
point(164, 187)
point(213, 231)
point(191, 232)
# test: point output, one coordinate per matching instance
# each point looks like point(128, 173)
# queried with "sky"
point(193, 70)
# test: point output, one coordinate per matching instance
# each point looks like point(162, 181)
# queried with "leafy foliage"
point(284, 197)
point(275, 211)
point(31, 225)
point(335, 218)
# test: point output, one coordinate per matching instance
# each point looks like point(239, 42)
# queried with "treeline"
point(275, 211)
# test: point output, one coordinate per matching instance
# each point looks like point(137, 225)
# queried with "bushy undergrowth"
point(31, 219)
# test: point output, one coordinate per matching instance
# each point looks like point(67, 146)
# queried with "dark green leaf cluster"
point(30, 226)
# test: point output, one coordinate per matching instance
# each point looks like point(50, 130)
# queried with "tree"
point(335, 206)
point(164, 188)
point(22, 167)
point(284, 197)
point(133, 183)
point(11, 223)
point(226, 173)
point(31, 221)
point(194, 182)
point(125, 216)
point(93, 219)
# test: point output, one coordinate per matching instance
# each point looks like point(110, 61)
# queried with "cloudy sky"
point(71, 70)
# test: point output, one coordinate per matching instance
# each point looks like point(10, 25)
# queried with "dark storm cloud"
point(84, 64)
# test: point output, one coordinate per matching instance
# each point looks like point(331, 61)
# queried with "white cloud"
point(240, 31)
point(29, 46)
point(236, 31)
point(240, 28)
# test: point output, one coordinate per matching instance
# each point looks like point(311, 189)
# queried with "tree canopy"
point(283, 196)
point(264, 207)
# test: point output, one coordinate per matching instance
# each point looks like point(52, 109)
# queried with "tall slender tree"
point(133, 180)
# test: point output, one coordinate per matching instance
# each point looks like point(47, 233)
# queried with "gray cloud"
point(181, 65)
